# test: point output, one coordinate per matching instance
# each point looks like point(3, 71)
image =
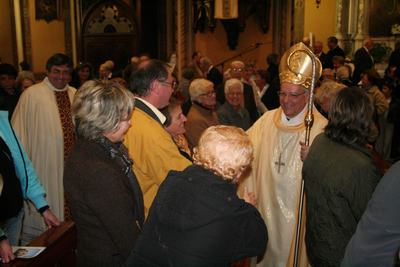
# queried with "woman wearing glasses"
point(232, 112)
point(202, 112)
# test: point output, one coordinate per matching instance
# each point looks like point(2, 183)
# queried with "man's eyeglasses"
point(237, 69)
point(173, 84)
point(291, 95)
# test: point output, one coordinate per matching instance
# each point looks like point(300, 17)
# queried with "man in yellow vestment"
point(276, 171)
point(150, 146)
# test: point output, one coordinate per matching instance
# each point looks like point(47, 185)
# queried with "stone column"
point(361, 25)
point(348, 24)
point(338, 20)
point(18, 31)
point(298, 20)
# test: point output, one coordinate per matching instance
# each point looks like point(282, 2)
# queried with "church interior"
point(96, 31)
point(337, 58)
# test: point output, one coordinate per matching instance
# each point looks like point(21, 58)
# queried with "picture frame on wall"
point(383, 16)
point(47, 10)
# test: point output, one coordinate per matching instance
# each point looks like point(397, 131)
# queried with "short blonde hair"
point(342, 73)
point(24, 75)
point(99, 106)
point(198, 87)
point(230, 83)
point(328, 74)
point(328, 89)
point(225, 150)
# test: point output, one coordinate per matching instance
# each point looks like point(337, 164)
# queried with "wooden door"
point(109, 33)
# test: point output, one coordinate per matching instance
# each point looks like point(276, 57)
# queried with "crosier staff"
point(308, 120)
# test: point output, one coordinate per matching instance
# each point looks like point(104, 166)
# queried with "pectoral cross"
point(279, 163)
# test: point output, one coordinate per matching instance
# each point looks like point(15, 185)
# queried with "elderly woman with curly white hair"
point(196, 218)
point(103, 193)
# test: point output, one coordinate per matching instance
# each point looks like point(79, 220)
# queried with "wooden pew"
point(60, 243)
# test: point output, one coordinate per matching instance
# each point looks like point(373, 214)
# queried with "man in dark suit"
point(214, 75)
point(394, 59)
point(363, 60)
point(334, 50)
point(273, 66)
point(318, 51)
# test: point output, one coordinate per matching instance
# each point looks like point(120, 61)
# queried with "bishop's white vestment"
point(276, 179)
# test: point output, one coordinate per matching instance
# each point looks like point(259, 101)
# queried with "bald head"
point(306, 41)
point(369, 43)
point(318, 47)
point(237, 68)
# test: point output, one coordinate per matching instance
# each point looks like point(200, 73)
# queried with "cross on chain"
point(279, 163)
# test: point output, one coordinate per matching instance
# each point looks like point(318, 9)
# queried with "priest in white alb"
point(43, 123)
point(275, 177)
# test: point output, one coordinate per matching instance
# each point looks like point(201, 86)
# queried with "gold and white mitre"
point(296, 66)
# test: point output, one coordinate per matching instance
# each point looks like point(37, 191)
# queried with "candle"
point(311, 39)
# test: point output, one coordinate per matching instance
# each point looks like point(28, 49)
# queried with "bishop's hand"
point(303, 151)
point(249, 197)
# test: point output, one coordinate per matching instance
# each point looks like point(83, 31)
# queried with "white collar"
point(158, 113)
point(51, 86)
point(296, 120)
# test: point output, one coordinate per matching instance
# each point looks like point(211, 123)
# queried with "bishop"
point(276, 171)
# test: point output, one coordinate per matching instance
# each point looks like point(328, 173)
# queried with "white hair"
point(230, 83)
point(198, 87)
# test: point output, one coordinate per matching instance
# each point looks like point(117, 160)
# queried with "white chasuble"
point(276, 179)
point(37, 123)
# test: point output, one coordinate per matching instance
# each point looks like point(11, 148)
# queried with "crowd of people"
point(382, 89)
point(205, 170)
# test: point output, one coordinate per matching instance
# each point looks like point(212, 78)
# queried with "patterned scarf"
point(119, 153)
point(64, 110)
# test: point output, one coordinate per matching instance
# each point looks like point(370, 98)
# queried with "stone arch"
point(109, 32)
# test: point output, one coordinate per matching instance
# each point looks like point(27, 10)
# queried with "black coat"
point(362, 62)
point(102, 204)
point(271, 98)
point(8, 102)
point(197, 219)
point(273, 72)
point(249, 102)
point(339, 181)
point(394, 59)
point(337, 51)
point(215, 76)
point(324, 60)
